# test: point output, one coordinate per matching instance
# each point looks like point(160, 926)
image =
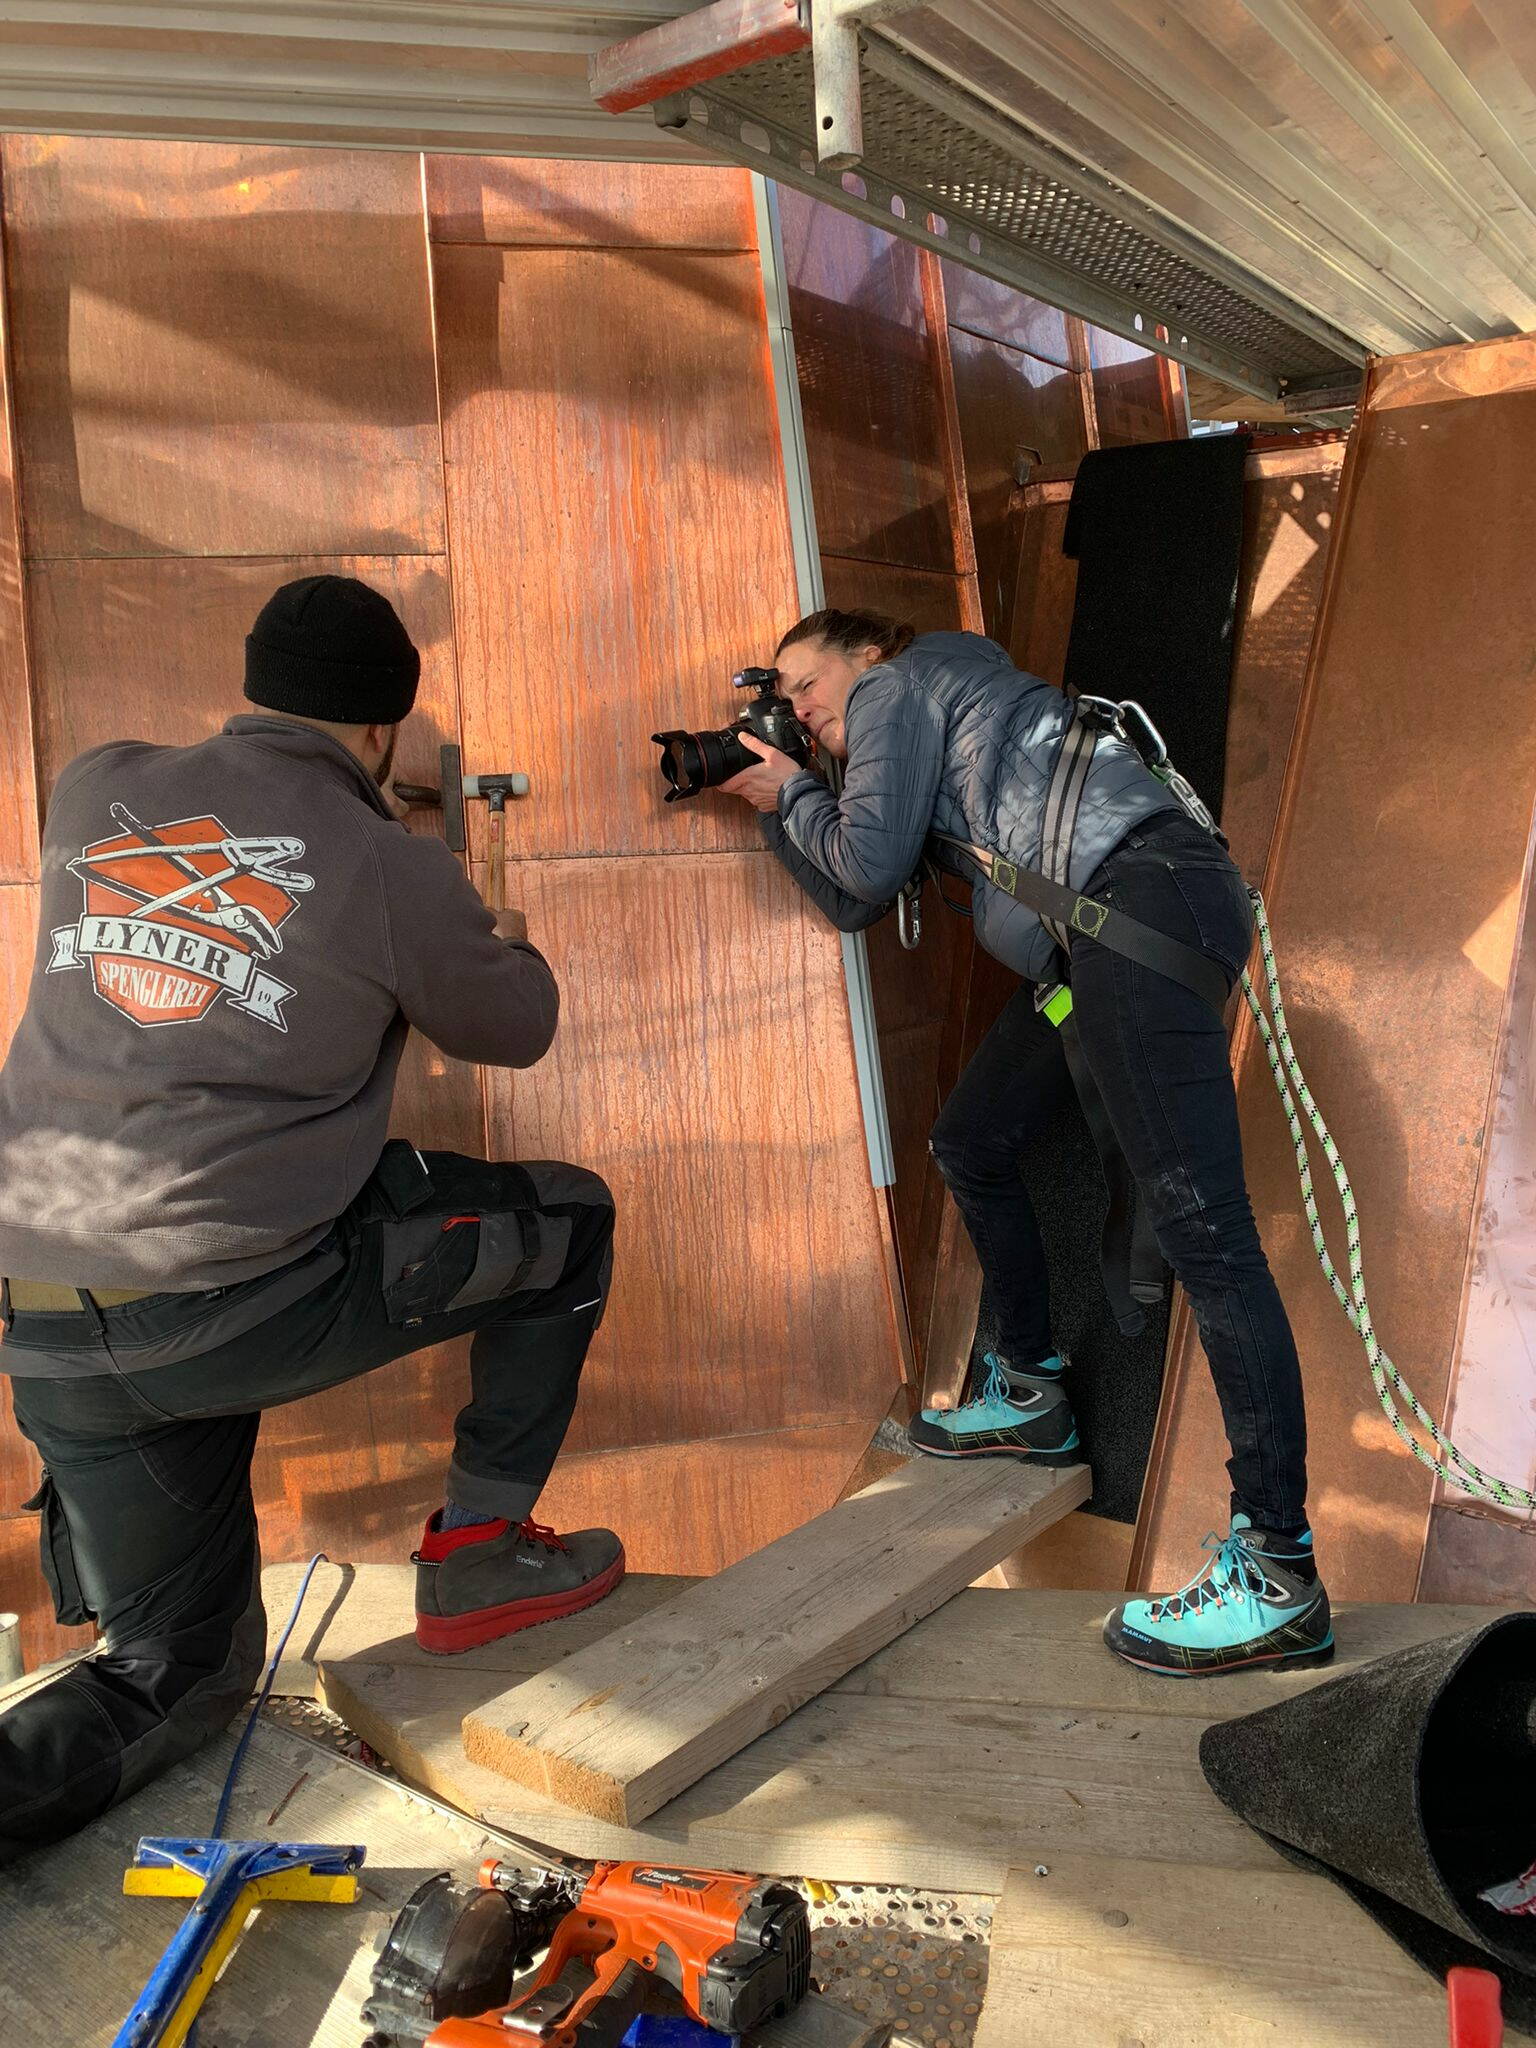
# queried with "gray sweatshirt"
point(234, 938)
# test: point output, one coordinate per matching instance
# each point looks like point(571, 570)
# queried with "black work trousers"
point(148, 1524)
point(1160, 1058)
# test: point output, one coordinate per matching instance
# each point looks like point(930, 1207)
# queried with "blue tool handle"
point(226, 1868)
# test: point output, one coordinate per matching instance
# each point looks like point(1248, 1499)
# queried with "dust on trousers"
point(148, 1524)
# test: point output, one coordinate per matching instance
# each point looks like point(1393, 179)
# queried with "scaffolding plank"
point(622, 1727)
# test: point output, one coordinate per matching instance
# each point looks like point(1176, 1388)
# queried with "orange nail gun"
point(736, 1949)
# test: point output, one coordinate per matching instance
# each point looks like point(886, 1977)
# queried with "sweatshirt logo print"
point(178, 915)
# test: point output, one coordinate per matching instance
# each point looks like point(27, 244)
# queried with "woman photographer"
point(943, 740)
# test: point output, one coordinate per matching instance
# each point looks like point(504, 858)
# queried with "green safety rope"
point(1451, 1464)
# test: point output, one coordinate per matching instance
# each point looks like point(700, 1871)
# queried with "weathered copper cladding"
point(1491, 1552)
point(1401, 844)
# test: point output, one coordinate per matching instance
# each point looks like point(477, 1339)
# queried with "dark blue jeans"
point(1160, 1058)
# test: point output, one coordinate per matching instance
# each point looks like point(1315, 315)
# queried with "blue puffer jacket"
point(950, 737)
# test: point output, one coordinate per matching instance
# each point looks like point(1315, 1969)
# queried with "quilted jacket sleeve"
point(870, 839)
point(843, 910)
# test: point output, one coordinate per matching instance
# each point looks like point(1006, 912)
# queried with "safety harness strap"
point(1093, 920)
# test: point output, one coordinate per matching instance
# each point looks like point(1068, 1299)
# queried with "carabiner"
point(1155, 751)
point(909, 917)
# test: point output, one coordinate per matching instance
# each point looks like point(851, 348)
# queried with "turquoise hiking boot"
point(1244, 1608)
point(1014, 1415)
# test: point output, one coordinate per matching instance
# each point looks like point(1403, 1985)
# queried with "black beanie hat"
point(329, 647)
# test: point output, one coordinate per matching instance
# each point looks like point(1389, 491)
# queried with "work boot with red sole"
point(494, 1578)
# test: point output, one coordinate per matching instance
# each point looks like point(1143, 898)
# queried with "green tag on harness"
point(1059, 1008)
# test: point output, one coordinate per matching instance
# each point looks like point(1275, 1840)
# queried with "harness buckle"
point(1004, 875)
point(1088, 917)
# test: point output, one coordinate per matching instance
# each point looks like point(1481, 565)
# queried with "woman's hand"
point(761, 785)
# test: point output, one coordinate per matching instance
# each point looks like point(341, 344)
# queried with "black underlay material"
point(1158, 531)
point(1112, 1381)
point(1158, 535)
point(1412, 1784)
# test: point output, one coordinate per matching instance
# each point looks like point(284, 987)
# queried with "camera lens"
point(692, 761)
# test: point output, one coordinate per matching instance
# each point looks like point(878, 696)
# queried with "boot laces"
point(1232, 1574)
point(994, 1387)
point(535, 1532)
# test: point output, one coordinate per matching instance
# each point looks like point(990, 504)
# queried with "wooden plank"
point(1106, 1951)
point(221, 350)
point(1019, 1649)
point(852, 1789)
point(692, 48)
point(1067, 1749)
point(620, 1729)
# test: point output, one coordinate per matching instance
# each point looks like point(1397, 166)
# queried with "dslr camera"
point(694, 761)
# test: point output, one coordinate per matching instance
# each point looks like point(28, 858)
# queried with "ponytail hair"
point(847, 632)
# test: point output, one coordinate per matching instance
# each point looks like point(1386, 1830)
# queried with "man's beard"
point(381, 773)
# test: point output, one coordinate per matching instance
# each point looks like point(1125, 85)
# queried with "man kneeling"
point(200, 1217)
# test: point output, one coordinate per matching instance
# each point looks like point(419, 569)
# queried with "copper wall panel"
point(1492, 1410)
point(698, 1507)
point(705, 1070)
point(983, 306)
point(913, 991)
point(1494, 1556)
point(623, 206)
point(18, 771)
point(924, 598)
point(864, 354)
point(620, 537)
point(1378, 891)
point(220, 351)
point(1046, 586)
point(1131, 391)
point(1288, 513)
point(1016, 413)
point(21, 1586)
point(155, 650)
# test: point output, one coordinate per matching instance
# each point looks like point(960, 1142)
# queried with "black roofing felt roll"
point(1158, 535)
point(1412, 1784)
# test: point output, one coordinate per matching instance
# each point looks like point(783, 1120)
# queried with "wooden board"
point(301, 1972)
point(861, 1790)
point(1020, 1649)
point(621, 1728)
point(221, 351)
point(1065, 1748)
point(1107, 1951)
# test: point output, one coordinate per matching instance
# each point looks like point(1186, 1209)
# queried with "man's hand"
point(511, 924)
point(761, 785)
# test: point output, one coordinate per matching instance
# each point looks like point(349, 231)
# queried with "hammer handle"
point(496, 878)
